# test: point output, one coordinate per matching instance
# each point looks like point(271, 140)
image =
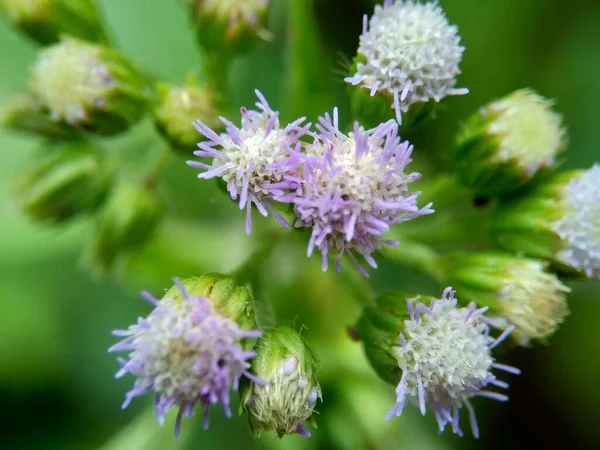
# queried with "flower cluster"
point(348, 189)
point(445, 359)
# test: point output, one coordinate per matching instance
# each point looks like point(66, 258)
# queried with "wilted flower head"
point(519, 292)
point(409, 52)
point(253, 159)
point(88, 86)
point(445, 359)
point(579, 226)
point(187, 353)
point(352, 188)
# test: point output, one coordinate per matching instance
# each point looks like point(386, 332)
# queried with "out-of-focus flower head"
point(518, 291)
point(409, 53)
point(350, 189)
point(556, 220)
point(177, 106)
point(507, 142)
point(252, 160)
point(187, 351)
point(88, 86)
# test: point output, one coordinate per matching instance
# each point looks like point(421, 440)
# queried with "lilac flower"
point(445, 359)
point(253, 159)
point(352, 188)
point(187, 354)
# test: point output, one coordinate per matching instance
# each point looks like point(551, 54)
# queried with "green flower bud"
point(287, 364)
point(88, 86)
point(226, 297)
point(25, 114)
point(557, 221)
point(131, 215)
point(518, 291)
point(46, 20)
point(178, 106)
point(229, 26)
point(67, 181)
point(506, 143)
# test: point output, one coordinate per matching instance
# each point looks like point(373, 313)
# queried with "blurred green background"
point(56, 378)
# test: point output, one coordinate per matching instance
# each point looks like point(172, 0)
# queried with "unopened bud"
point(70, 180)
point(128, 220)
point(506, 143)
point(178, 106)
point(46, 20)
point(518, 291)
point(288, 366)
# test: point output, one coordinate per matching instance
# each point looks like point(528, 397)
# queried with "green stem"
point(157, 167)
point(250, 273)
point(216, 69)
point(418, 257)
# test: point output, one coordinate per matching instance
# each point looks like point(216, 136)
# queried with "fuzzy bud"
point(178, 106)
point(229, 26)
point(88, 87)
point(70, 180)
point(518, 291)
point(438, 354)
point(45, 20)
point(128, 220)
point(283, 405)
point(507, 142)
point(556, 220)
point(192, 349)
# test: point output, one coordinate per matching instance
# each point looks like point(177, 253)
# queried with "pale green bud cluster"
point(518, 291)
point(506, 143)
point(288, 399)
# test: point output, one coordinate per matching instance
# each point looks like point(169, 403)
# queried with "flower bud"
point(287, 400)
point(229, 26)
point(67, 181)
point(192, 348)
point(557, 221)
point(408, 55)
point(518, 291)
point(128, 220)
point(178, 106)
point(87, 86)
point(507, 142)
point(46, 20)
point(25, 114)
point(437, 355)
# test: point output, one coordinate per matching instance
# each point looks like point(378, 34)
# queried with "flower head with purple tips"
point(444, 355)
point(252, 160)
point(187, 354)
point(350, 189)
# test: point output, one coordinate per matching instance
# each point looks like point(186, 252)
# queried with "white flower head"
point(410, 52)
point(445, 359)
point(579, 227)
